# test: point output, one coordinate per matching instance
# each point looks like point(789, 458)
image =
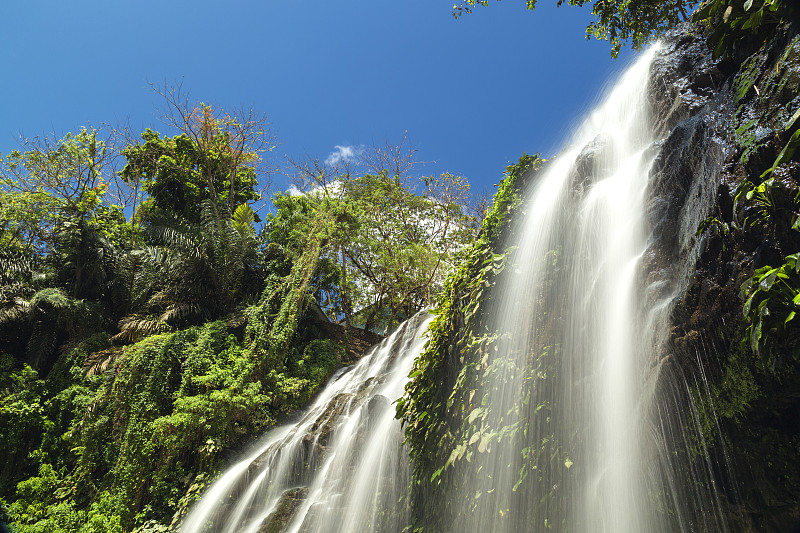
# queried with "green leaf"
point(704, 12)
point(568, 463)
point(754, 21)
point(727, 14)
point(791, 261)
point(786, 154)
point(768, 279)
point(475, 414)
point(789, 318)
point(755, 337)
point(792, 121)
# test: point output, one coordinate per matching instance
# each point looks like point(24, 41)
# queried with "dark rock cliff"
point(728, 125)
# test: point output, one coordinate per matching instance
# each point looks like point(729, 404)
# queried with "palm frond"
point(182, 311)
point(41, 343)
point(134, 328)
point(243, 219)
point(98, 362)
point(50, 298)
point(14, 309)
point(185, 240)
point(14, 264)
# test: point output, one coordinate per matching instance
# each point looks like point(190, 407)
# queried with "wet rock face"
point(288, 504)
point(588, 166)
point(377, 406)
point(684, 184)
point(723, 122)
point(685, 78)
point(320, 432)
point(692, 104)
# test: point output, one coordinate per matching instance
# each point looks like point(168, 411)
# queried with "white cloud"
point(334, 188)
point(343, 153)
point(294, 191)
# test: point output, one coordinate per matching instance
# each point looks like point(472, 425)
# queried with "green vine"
point(445, 419)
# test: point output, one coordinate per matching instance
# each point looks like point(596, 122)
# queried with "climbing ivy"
point(123, 432)
point(444, 418)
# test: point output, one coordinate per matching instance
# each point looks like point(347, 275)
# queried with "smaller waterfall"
point(340, 468)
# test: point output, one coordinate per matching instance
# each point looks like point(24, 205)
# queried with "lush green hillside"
point(151, 325)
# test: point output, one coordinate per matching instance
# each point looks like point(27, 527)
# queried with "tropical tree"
point(201, 255)
point(617, 21)
point(192, 272)
point(57, 230)
point(387, 239)
point(405, 244)
point(179, 175)
point(217, 156)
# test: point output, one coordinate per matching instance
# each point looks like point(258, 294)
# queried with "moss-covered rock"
point(749, 406)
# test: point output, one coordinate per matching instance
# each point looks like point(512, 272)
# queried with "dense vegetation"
point(640, 21)
point(151, 324)
point(746, 308)
point(445, 420)
point(749, 296)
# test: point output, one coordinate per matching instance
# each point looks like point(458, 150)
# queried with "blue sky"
point(472, 94)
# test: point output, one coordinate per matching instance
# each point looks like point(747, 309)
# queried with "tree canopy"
point(617, 21)
point(385, 248)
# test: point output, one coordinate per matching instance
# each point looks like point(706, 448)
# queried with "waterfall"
point(586, 425)
point(584, 434)
point(340, 468)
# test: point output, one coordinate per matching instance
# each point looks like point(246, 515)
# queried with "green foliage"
point(445, 421)
point(731, 21)
point(319, 359)
point(182, 172)
point(69, 171)
point(195, 271)
point(119, 447)
point(765, 204)
point(787, 152)
point(732, 398)
point(617, 21)
point(772, 300)
point(39, 508)
point(27, 219)
point(383, 249)
point(640, 21)
point(22, 420)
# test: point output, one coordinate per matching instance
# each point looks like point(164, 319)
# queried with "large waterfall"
point(592, 431)
point(588, 429)
point(573, 305)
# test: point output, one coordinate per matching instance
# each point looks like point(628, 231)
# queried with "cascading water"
point(579, 439)
point(340, 468)
point(585, 424)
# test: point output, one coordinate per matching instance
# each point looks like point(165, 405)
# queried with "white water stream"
point(582, 312)
point(575, 294)
point(340, 468)
point(583, 308)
